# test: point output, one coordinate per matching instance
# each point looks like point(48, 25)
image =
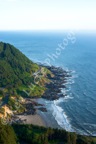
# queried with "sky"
point(47, 14)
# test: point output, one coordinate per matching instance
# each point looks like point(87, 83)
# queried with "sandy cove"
point(32, 119)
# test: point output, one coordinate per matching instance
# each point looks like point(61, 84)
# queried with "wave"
point(70, 80)
point(87, 95)
point(68, 97)
point(60, 116)
point(90, 126)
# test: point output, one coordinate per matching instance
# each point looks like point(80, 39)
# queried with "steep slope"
point(15, 68)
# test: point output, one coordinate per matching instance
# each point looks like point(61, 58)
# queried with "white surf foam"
point(68, 97)
point(60, 116)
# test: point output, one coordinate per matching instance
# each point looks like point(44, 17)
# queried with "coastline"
point(38, 112)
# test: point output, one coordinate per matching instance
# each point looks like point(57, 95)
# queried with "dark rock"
point(42, 109)
point(57, 82)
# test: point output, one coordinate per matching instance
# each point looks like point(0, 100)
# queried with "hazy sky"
point(47, 14)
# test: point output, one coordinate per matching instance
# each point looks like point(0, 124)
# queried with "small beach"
point(32, 119)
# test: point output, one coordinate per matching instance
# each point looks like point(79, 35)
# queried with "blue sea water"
point(77, 111)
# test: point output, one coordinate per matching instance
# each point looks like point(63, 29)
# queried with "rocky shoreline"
point(53, 92)
point(58, 82)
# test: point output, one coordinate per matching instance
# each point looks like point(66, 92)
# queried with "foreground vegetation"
point(39, 135)
point(29, 134)
point(7, 135)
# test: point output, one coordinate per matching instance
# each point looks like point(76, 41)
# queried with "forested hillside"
point(15, 68)
point(17, 72)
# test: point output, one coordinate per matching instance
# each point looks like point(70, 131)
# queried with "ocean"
point(75, 52)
